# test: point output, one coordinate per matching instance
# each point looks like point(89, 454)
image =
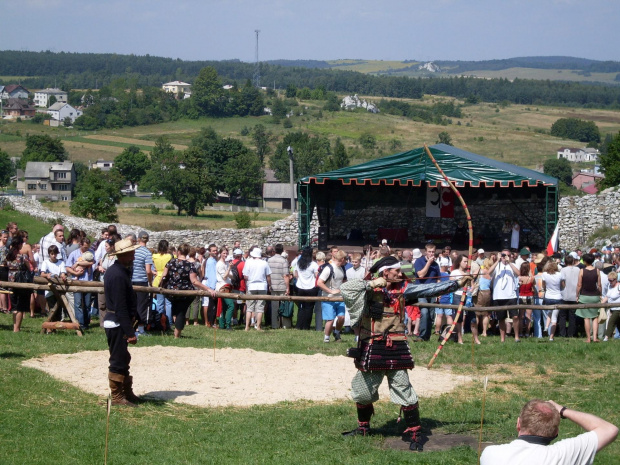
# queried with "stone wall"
point(283, 231)
point(581, 216)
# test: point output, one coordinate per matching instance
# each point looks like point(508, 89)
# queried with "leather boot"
point(118, 392)
point(411, 414)
point(364, 412)
point(128, 390)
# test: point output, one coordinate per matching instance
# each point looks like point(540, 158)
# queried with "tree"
point(67, 122)
point(183, 177)
point(368, 141)
point(291, 91)
point(243, 175)
point(559, 168)
point(444, 138)
point(6, 169)
point(576, 129)
point(310, 155)
point(132, 164)
point(97, 194)
point(42, 148)
point(339, 159)
point(207, 94)
point(610, 163)
point(262, 139)
point(51, 101)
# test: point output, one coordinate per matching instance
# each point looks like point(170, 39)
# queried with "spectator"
point(444, 299)
point(27, 250)
point(552, 286)
point(224, 284)
point(194, 308)
point(20, 298)
point(280, 283)
point(53, 267)
point(4, 271)
point(12, 230)
point(159, 262)
point(481, 257)
point(305, 273)
point(526, 296)
point(589, 292)
point(329, 281)
point(142, 275)
point(427, 271)
point(73, 243)
point(182, 275)
point(484, 294)
point(612, 297)
point(209, 305)
point(460, 269)
point(538, 425)
point(505, 278)
point(100, 250)
point(79, 266)
point(357, 272)
point(570, 277)
point(257, 275)
point(57, 238)
point(239, 287)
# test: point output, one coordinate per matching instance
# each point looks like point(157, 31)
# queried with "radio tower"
point(256, 77)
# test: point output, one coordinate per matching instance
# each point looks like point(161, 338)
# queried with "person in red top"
point(526, 295)
point(240, 288)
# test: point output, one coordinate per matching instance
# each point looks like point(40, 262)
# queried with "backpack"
point(331, 273)
point(156, 321)
point(235, 277)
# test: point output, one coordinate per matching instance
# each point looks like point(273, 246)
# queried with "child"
point(53, 267)
point(446, 299)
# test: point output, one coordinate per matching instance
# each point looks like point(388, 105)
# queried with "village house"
point(103, 165)
point(13, 91)
point(276, 194)
point(586, 181)
point(59, 111)
point(586, 154)
point(48, 180)
point(177, 88)
point(42, 97)
point(18, 108)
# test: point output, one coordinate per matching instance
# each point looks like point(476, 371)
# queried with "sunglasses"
point(4, 231)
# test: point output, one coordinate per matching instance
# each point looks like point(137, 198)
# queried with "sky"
point(316, 29)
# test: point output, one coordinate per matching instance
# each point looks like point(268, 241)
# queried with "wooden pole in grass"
point(484, 399)
point(107, 427)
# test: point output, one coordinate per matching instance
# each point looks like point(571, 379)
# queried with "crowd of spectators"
point(506, 278)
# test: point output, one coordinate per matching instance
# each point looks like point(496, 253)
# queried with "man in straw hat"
point(118, 322)
point(383, 351)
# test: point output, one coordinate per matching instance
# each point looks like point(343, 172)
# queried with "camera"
point(504, 255)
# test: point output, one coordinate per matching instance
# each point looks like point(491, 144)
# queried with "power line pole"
point(256, 77)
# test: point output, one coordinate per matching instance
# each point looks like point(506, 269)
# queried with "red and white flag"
point(439, 202)
point(552, 247)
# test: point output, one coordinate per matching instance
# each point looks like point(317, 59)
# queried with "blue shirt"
point(142, 258)
point(445, 298)
point(211, 273)
point(73, 259)
point(431, 275)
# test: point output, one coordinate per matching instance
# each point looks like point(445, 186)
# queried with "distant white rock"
point(430, 67)
point(353, 102)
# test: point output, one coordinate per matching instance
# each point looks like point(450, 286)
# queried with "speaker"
point(322, 237)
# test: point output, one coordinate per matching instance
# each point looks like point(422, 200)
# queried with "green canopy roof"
point(414, 168)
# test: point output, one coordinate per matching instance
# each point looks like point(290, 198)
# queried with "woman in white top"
point(460, 268)
point(552, 284)
point(305, 273)
point(224, 284)
point(612, 297)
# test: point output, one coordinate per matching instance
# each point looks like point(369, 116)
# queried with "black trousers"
point(142, 302)
point(564, 316)
point(119, 352)
point(306, 309)
point(212, 311)
point(179, 306)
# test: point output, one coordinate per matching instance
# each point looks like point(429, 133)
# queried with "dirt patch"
point(238, 377)
point(129, 140)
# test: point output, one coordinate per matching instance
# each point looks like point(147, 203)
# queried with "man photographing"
point(538, 425)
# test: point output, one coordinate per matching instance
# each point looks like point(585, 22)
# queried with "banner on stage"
point(439, 202)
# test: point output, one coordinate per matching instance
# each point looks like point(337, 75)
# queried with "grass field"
point(46, 421)
point(545, 74)
point(516, 134)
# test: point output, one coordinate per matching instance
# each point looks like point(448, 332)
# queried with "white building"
point(177, 87)
point(42, 97)
point(59, 111)
point(585, 154)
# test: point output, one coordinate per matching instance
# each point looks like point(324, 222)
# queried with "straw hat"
point(123, 246)
point(539, 258)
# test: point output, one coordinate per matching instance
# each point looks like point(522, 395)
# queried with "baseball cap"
point(237, 252)
point(480, 250)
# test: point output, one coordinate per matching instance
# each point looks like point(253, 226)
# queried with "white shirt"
point(579, 450)
point(220, 271)
point(552, 285)
point(504, 282)
point(306, 279)
point(255, 271)
point(54, 268)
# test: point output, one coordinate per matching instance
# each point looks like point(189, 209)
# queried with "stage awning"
point(414, 168)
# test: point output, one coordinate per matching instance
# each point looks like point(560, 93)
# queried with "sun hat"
point(256, 252)
point(539, 258)
point(416, 253)
point(443, 261)
point(123, 246)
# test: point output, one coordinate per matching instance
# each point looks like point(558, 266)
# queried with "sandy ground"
point(239, 377)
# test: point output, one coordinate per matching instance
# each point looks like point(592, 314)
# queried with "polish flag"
point(552, 247)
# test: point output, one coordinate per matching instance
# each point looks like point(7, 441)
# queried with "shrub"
point(154, 209)
point(243, 220)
